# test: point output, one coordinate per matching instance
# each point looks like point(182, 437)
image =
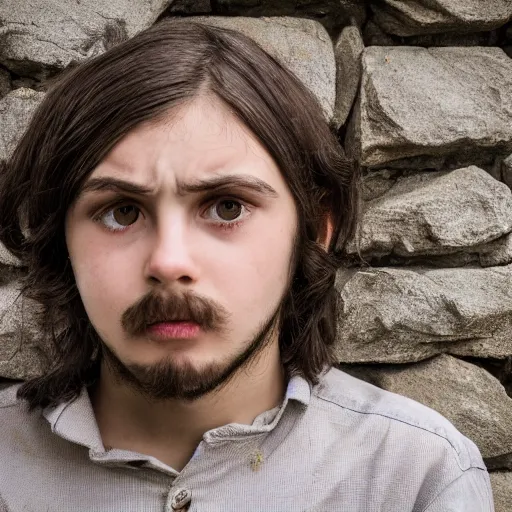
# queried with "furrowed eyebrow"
point(234, 180)
point(206, 185)
point(114, 184)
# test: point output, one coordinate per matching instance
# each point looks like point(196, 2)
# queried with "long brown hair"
point(87, 112)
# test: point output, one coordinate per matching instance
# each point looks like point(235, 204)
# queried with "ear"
point(325, 235)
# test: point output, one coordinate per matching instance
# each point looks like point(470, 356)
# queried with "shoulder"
point(15, 415)
point(340, 394)
point(8, 398)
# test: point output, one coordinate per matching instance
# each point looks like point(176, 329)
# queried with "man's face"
point(181, 277)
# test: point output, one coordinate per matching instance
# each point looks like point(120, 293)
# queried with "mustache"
point(157, 307)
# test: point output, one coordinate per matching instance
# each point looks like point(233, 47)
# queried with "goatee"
point(170, 379)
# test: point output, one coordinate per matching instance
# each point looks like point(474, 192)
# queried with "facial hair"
point(168, 379)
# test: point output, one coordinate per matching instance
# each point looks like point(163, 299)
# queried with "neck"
point(171, 429)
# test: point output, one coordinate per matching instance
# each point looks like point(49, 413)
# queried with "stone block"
point(22, 353)
point(501, 482)
point(5, 83)
point(347, 50)
point(411, 17)
point(467, 395)
point(433, 213)
point(40, 37)
point(302, 45)
point(399, 315)
point(16, 111)
point(435, 108)
point(506, 171)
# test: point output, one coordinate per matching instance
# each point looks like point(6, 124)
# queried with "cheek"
point(103, 284)
point(255, 275)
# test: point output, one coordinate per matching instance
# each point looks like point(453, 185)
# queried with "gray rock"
point(496, 253)
point(7, 259)
point(347, 50)
point(434, 213)
point(21, 347)
point(39, 37)
point(331, 13)
point(302, 45)
point(16, 110)
point(501, 483)
point(467, 395)
point(398, 315)
point(375, 184)
point(411, 17)
point(506, 171)
point(5, 83)
point(432, 108)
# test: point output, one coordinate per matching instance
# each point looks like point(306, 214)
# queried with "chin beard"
point(168, 379)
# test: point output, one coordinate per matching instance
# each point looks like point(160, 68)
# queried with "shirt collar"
point(74, 420)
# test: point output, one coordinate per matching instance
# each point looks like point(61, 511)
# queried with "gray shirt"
point(343, 445)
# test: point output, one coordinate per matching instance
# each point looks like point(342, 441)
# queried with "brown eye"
point(228, 210)
point(126, 215)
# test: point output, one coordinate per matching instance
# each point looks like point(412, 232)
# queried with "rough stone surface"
point(332, 13)
point(7, 259)
point(432, 108)
point(496, 253)
point(434, 213)
point(347, 50)
point(397, 315)
point(506, 171)
point(16, 110)
point(375, 184)
point(411, 17)
point(501, 483)
point(5, 83)
point(36, 37)
point(21, 354)
point(302, 45)
point(469, 396)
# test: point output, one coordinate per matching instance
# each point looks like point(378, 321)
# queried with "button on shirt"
point(341, 445)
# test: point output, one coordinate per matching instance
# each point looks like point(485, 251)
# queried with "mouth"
point(175, 329)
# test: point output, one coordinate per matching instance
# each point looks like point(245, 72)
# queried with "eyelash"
point(225, 226)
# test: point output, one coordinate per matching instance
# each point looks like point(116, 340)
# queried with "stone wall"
point(421, 93)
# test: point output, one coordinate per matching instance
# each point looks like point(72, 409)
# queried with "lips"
point(179, 329)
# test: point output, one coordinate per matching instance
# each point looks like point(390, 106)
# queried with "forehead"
point(197, 138)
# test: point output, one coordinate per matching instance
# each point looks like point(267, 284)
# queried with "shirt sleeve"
point(470, 492)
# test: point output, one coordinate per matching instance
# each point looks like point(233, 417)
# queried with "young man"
point(177, 202)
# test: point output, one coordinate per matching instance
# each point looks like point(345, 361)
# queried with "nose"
point(170, 258)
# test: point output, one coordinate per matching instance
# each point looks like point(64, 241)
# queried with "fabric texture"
point(342, 445)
